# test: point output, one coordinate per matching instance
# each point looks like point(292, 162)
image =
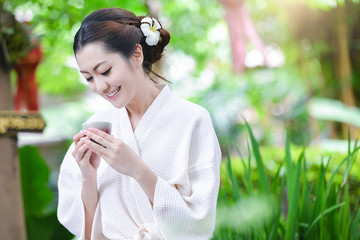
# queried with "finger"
point(77, 146)
point(98, 138)
point(96, 148)
point(78, 136)
point(81, 152)
point(102, 134)
point(87, 155)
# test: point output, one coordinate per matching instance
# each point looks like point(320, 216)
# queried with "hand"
point(86, 159)
point(115, 152)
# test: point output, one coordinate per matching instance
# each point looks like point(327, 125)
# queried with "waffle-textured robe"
point(176, 139)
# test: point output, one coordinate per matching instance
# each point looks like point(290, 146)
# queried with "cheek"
point(92, 87)
point(113, 80)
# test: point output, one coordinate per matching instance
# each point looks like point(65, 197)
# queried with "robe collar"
point(131, 137)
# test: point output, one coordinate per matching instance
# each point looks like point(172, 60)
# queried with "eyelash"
point(104, 74)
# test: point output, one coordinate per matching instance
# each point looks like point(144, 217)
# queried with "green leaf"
point(276, 222)
point(291, 221)
point(345, 215)
point(327, 211)
point(46, 228)
point(334, 110)
point(320, 199)
point(347, 158)
point(263, 181)
point(247, 178)
point(333, 226)
point(40, 214)
point(305, 196)
point(288, 161)
point(233, 181)
point(34, 179)
point(354, 229)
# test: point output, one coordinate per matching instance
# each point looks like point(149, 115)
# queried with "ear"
point(138, 56)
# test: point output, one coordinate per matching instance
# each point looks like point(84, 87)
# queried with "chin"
point(118, 105)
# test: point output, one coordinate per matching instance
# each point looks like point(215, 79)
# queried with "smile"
point(113, 93)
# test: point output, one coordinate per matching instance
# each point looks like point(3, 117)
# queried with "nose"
point(100, 85)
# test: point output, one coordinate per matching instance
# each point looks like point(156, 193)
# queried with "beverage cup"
point(101, 125)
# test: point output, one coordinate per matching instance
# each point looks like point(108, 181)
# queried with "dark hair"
point(119, 30)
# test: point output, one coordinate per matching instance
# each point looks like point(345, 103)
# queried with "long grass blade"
point(350, 164)
point(274, 229)
point(345, 215)
point(319, 193)
point(349, 141)
point(263, 180)
point(289, 170)
point(355, 232)
point(327, 211)
point(337, 169)
point(332, 227)
point(275, 183)
point(233, 181)
point(305, 196)
point(249, 164)
point(293, 204)
point(247, 173)
point(289, 164)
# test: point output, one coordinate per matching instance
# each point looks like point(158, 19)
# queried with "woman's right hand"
point(87, 160)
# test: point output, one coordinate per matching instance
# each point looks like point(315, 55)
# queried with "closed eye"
point(106, 72)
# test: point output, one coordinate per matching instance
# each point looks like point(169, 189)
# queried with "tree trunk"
point(344, 66)
point(12, 224)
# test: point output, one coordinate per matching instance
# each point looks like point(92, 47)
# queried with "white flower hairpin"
point(150, 28)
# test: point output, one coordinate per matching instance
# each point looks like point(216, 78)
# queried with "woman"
point(157, 175)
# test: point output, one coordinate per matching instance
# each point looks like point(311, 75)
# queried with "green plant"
point(39, 204)
point(293, 205)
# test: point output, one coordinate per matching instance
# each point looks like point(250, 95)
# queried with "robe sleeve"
point(70, 211)
point(188, 211)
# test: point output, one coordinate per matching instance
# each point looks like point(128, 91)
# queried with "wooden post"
point(12, 222)
point(344, 67)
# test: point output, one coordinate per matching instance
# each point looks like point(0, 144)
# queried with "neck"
point(145, 95)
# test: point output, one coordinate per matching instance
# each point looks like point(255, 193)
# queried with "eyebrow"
point(97, 65)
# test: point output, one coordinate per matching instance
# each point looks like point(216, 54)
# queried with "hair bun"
point(153, 54)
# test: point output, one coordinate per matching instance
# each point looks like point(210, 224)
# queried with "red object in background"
point(26, 89)
point(241, 28)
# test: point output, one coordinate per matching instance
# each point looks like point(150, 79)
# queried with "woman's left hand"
point(114, 151)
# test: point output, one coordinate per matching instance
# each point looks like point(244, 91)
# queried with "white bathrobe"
point(176, 139)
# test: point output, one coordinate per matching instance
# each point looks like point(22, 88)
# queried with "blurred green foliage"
point(302, 199)
point(39, 203)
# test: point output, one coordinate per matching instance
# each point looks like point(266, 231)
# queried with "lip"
point(112, 97)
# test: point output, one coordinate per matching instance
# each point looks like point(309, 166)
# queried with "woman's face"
point(109, 74)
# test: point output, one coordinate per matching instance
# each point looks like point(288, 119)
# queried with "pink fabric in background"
point(241, 28)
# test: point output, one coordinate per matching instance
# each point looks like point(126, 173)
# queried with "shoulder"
point(186, 115)
point(189, 109)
